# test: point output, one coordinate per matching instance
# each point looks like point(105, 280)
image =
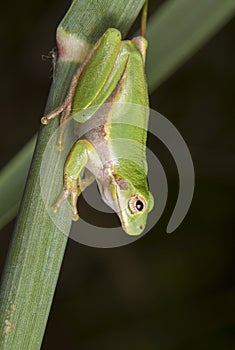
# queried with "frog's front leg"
point(86, 180)
point(81, 152)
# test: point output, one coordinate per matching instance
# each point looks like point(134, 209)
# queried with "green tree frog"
point(112, 74)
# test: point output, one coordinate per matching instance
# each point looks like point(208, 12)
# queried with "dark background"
point(164, 291)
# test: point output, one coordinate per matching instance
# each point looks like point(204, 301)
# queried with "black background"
point(164, 291)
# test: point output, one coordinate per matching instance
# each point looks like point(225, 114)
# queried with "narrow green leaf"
point(38, 246)
point(14, 189)
point(178, 30)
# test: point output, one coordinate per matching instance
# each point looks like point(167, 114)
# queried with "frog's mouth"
point(121, 213)
point(113, 196)
point(124, 214)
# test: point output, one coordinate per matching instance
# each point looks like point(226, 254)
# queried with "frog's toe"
point(44, 120)
point(55, 208)
point(75, 216)
point(63, 196)
point(59, 147)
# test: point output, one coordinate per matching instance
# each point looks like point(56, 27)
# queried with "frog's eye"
point(137, 204)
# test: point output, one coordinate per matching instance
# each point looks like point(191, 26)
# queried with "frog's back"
point(128, 120)
point(123, 119)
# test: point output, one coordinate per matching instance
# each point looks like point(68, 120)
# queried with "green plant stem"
point(38, 246)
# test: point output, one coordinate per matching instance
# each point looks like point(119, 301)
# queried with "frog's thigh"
point(97, 70)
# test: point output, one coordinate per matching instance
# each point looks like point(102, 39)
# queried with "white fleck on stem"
point(71, 47)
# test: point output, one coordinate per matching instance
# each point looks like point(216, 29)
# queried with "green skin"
point(113, 74)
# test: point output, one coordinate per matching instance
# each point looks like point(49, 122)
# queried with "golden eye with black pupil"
point(137, 204)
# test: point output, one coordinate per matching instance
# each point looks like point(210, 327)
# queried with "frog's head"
point(131, 202)
point(133, 208)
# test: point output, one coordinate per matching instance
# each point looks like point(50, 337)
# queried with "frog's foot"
point(63, 196)
point(52, 115)
point(65, 111)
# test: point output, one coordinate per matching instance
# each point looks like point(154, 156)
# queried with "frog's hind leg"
point(64, 109)
point(63, 126)
point(66, 106)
